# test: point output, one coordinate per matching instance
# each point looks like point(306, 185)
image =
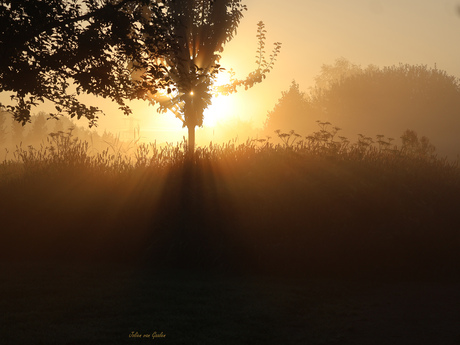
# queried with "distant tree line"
point(13, 133)
point(375, 101)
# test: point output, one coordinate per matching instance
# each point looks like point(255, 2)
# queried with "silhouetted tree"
point(47, 44)
point(333, 74)
point(58, 126)
point(17, 133)
point(201, 28)
point(39, 130)
point(100, 45)
point(3, 116)
point(62, 124)
point(411, 143)
point(292, 112)
point(390, 99)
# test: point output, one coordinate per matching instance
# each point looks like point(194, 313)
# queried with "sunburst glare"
point(221, 110)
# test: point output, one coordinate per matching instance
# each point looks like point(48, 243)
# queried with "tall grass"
point(302, 205)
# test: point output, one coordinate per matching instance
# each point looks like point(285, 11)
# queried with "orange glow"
point(222, 108)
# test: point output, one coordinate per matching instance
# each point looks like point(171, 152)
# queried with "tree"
point(47, 45)
point(39, 130)
point(333, 74)
point(17, 132)
point(3, 115)
point(201, 28)
point(412, 144)
point(290, 113)
point(122, 50)
point(391, 99)
point(58, 126)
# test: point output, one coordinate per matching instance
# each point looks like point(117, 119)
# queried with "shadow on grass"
point(262, 248)
point(277, 215)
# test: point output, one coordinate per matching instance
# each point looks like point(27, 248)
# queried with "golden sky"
point(313, 32)
point(316, 32)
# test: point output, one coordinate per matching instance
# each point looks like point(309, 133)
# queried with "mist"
point(319, 206)
point(375, 101)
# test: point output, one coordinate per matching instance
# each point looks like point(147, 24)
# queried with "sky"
point(312, 33)
point(383, 33)
point(317, 32)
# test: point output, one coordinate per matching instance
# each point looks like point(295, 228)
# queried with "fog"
point(315, 34)
point(105, 238)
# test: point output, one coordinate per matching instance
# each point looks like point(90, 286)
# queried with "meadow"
point(270, 241)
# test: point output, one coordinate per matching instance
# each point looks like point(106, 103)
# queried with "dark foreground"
point(49, 303)
point(264, 248)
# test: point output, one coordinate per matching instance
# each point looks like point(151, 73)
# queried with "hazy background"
point(313, 33)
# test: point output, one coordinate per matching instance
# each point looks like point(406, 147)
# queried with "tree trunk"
point(191, 139)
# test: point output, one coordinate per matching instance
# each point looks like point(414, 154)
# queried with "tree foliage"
point(291, 111)
point(333, 74)
point(405, 92)
point(392, 99)
point(413, 144)
point(48, 45)
point(17, 133)
point(381, 100)
point(121, 50)
point(3, 116)
point(201, 28)
point(39, 130)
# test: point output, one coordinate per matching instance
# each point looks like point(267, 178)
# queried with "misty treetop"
point(409, 93)
point(291, 110)
point(375, 100)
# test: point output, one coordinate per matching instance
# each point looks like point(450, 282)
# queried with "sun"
point(166, 128)
point(222, 108)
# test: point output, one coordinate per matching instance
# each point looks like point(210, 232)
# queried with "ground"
point(45, 302)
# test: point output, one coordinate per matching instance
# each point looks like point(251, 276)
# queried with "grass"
point(253, 243)
point(315, 205)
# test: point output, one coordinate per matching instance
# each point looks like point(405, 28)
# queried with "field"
point(314, 241)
